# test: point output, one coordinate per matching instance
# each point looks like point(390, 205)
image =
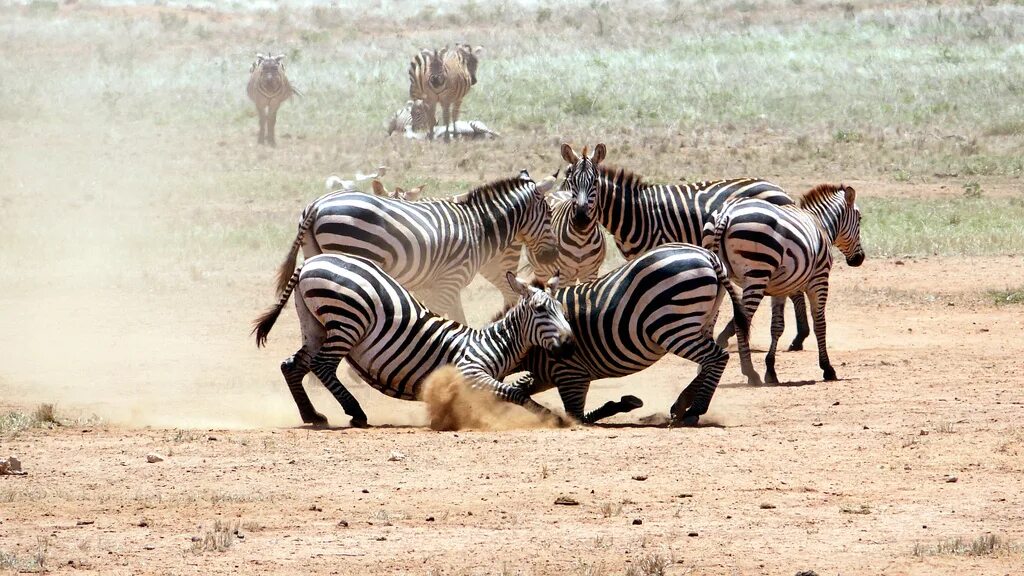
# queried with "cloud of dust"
point(453, 405)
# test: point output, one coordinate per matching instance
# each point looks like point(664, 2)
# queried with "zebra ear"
point(568, 154)
point(554, 280)
point(278, 58)
point(851, 195)
point(517, 286)
point(599, 152)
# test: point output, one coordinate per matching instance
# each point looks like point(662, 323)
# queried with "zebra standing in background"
point(268, 88)
point(581, 243)
point(642, 216)
point(443, 77)
point(781, 250)
point(665, 301)
point(351, 309)
point(432, 247)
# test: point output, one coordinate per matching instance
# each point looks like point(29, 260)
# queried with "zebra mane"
point(489, 190)
point(628, 177)
point(820, 193)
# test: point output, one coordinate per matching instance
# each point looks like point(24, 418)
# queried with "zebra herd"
point(382, 272)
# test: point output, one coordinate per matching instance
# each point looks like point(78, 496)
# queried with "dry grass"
point(218, 538)
point(652, 564)
point(984, 545)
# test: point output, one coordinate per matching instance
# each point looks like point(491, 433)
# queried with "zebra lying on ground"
point(443, 77)
point(581, 242)
point(782, 250)
point(413, 122)
point(665, 301)
point(350, 309)
point(268, 88)
point(432, 247)
point(642, 216)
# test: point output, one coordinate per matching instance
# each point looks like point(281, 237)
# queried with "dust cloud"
point(453, 405)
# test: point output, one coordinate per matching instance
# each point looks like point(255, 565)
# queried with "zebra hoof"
point(686, 421)
point(315, 419)
point(796, 347)
point(358, 423)
point(722, 342)
point(629, 403)
point(771, 378)
point(830, 374)
point(754, 380)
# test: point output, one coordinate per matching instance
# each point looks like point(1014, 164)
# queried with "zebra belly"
point(398, 364)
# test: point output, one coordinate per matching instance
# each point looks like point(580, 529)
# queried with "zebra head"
point(536, 230)
point(848, 230)
point(471, 56)
point(270, 71)
point(581, 182)
point(435, 67)
point(543, 321)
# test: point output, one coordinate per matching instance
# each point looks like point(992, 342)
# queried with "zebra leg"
point(272, 122)
point(295, 369)
point(694, 400)
point(752, 296)
point(263, 123)
point(325, 366)
point(802, 329)
point(446, 115)
point(819, 296)
point(778, 324)
point(456, 106)
point(728, 332)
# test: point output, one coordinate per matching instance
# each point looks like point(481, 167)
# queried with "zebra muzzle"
point(856, 260)
point(564, 350)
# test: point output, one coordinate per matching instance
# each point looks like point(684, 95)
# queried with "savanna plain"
point(142, 225)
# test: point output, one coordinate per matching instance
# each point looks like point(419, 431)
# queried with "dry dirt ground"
point(843, 477)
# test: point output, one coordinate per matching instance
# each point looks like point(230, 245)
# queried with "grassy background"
point(131, 119)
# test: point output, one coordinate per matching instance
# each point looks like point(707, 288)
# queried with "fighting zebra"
point(443, 77)
point(581, 243)
point(413, 123)
point(641, 216)
point(351, 309)
point(782, 250)
point(433, 247)
point(665, 301)
point(268, 88)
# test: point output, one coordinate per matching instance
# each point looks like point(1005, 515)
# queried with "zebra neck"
point(503, 344)
point(826, 214)
point(621, 209)
point(497, 222)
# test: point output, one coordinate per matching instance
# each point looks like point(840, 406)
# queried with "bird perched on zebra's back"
point(443, 77)
point(268, 88)
point(782, 250)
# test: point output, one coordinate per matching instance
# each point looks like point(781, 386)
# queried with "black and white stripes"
point(665, 301)
point(350, 309)
point(268, 88)
point(432, 247)
point(784, 250)
point(443, 77)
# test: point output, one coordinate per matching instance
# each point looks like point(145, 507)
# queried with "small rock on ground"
point(153, 458)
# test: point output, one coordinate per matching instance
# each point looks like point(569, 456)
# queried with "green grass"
point(956, 227)
point(1008, 296)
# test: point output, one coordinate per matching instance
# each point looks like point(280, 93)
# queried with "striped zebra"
point(412, 118)
point(349, 308)
point(433, 247)
point(642, 216)
point(782, 250)
point(581, 245)
point(665, 301)
point(268, 88)
point(443, 77)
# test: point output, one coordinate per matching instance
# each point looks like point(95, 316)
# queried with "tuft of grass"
point(13, 423)
point(217, 538)
point(985, 545)
point(584, 568)
point(46, 414)
point(610, 509)
point(1007, 296)
point(945, 428)
point(652, 564)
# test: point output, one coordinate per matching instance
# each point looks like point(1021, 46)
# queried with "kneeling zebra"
point(785, 250)
point(665, 301)
point(350, 309)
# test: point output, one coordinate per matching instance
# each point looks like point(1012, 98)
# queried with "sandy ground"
point(841, 478)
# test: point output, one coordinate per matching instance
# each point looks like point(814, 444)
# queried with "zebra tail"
point(740, 321)
point(263, 324)
point(284, 272)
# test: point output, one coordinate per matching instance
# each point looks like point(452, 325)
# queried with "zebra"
point(443, 77)
point(413, 122)
point(665, 301)
point(349, 308)
point(268, 88)
point(581, 245)
point(641, 216)
point(781, 250)
point(433, 247)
